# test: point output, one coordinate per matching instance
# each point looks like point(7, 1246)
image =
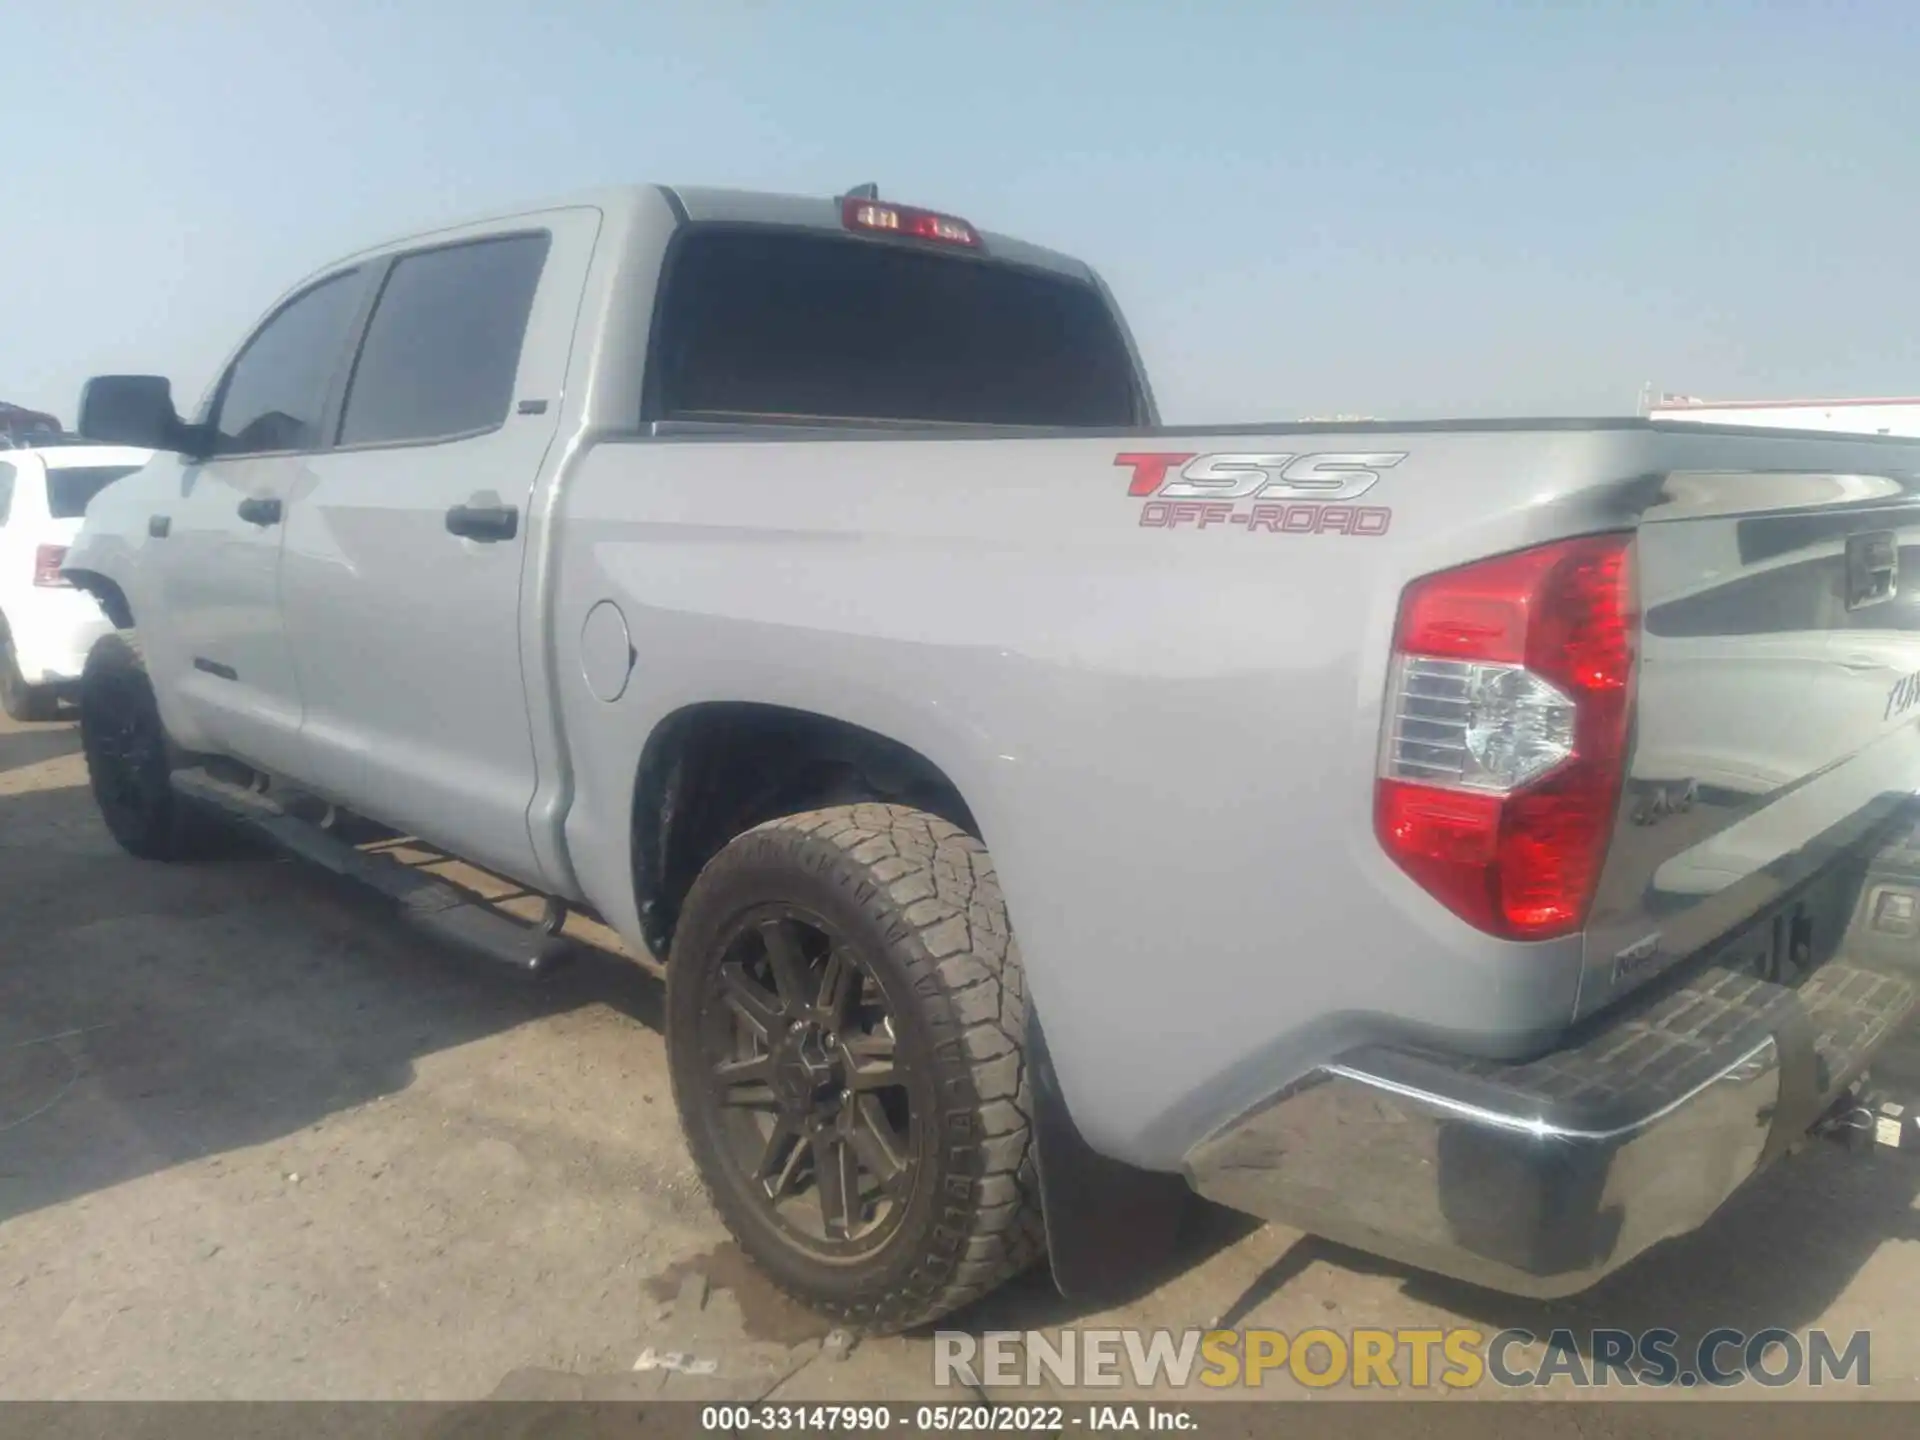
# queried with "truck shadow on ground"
point(152, 1015)
point(1032, 1302)
point(155, 1014)
point(1777, 1255)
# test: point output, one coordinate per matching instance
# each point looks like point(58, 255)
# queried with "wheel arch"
point(105, 589)
point(714, 769)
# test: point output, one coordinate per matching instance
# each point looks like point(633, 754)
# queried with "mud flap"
point(1804, 1091)
point(1108, 1223)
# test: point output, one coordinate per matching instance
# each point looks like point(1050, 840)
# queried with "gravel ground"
point(258, 1142)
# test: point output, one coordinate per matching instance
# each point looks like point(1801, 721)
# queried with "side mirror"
point(132, 410)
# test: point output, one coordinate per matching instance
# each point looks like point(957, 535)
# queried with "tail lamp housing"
point(1505, 742)
point(47, 560)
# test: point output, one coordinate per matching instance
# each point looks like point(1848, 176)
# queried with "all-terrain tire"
point(30, 704)
point(130, 759)
point(918, 898)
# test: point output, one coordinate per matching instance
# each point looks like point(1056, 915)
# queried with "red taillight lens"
point(880, 218)
point(47, 561)
point(1506, 733)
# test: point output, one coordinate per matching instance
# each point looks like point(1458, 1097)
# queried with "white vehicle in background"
point(1869, 416)
point(46, 625)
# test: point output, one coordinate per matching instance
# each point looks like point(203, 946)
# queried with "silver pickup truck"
point(1483, 843)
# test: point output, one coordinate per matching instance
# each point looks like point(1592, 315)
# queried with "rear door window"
point(768, 323)
point(443, 348)
point(6, 492)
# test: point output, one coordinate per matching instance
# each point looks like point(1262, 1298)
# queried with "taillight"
point(885, 219)
point(1506, 733)
point(47, 561)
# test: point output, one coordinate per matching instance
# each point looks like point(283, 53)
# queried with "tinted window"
point(443, 347)
point(6, 492)
point(770, 323)
point(277, 389)
point(69, 489)
point(1807, 596)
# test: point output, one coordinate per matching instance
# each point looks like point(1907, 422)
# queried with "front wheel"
point(130, 758)
point(846, 1027)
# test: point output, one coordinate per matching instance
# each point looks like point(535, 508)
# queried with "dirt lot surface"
point(257, 1141)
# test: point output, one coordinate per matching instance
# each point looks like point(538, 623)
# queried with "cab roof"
point(709, 205)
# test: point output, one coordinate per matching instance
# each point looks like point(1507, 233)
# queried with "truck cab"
point(1042, 812)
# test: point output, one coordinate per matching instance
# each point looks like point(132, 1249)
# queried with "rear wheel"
point(846, 1021)
point(130, 759)
point(33, 704)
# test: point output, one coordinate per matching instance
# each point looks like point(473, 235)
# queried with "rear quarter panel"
point(1168, 735)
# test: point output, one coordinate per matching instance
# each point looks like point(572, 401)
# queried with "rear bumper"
point(1541, 1178)
point(52, 634)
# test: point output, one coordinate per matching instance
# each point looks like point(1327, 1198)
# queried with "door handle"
point(260, 510)
point(1873, 568)
point(1861, 662)
point(485, 523)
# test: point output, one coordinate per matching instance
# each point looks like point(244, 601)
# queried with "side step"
point(445, 911)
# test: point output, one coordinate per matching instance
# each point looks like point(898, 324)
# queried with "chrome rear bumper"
point(1540, 1178)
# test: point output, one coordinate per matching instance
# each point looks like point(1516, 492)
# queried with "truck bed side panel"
point(1168, 733)
point(1165, 719)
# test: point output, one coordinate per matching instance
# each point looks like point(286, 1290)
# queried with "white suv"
point(47, 626)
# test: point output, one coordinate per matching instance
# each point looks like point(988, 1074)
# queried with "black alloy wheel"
point(846, 1030)
point(130, 758)
point(802, 1047)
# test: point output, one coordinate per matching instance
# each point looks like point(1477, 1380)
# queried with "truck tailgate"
point(1776, 733)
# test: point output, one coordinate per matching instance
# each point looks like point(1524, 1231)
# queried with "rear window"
point(71, 487)
point(769, 323)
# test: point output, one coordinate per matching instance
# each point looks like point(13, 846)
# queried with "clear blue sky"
point(1456, 207)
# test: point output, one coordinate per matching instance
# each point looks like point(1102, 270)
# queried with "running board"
point(443, 910)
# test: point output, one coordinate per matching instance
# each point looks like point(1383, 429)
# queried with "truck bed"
point(1120, 690)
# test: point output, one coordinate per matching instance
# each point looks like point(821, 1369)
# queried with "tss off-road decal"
point(1283, 494)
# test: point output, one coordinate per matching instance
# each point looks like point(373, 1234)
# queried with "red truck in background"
point(20, 426)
